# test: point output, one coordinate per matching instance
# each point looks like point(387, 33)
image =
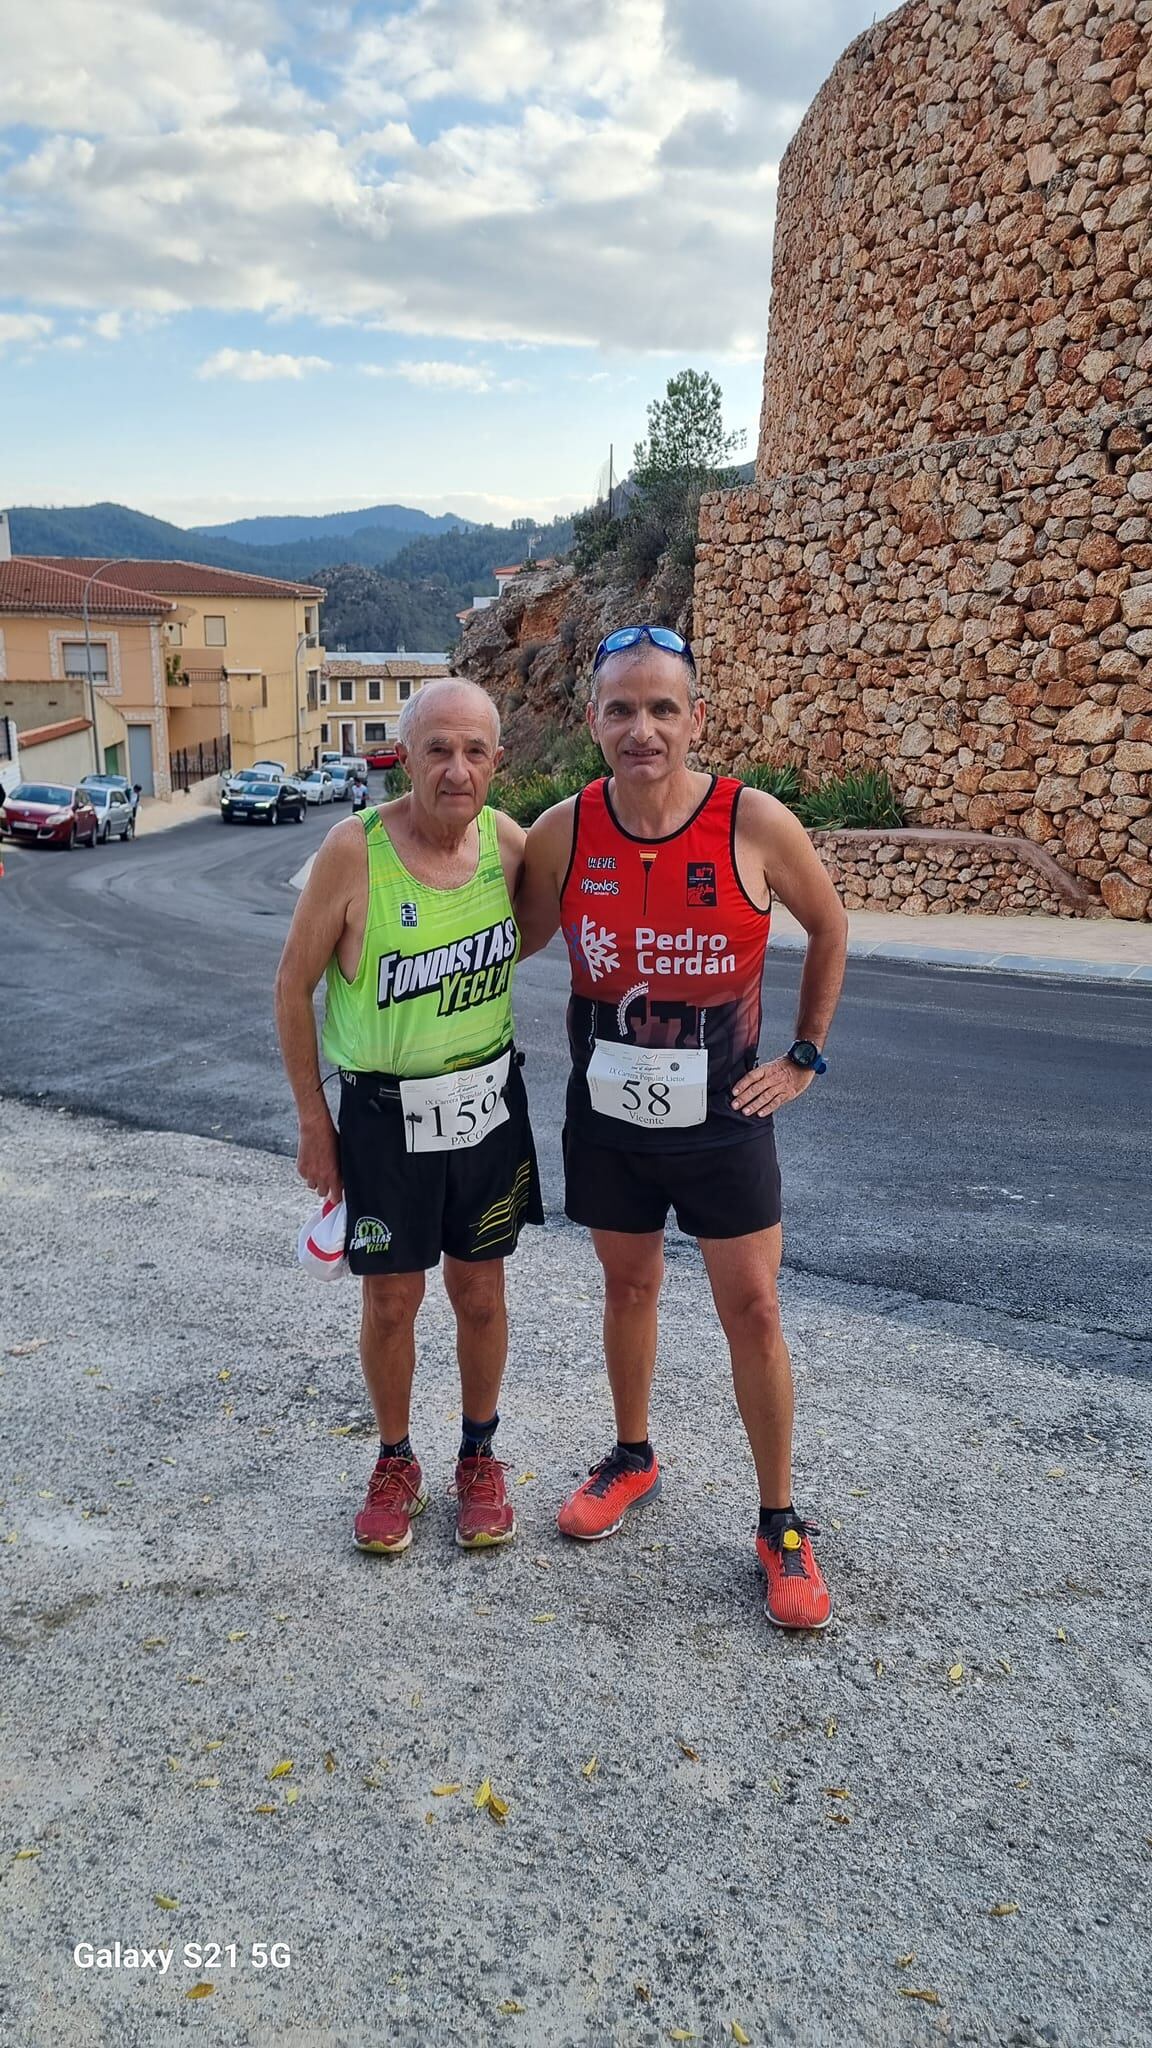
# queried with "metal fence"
point(193, 764)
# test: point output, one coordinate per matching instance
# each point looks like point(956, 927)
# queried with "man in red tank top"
point(662, 878)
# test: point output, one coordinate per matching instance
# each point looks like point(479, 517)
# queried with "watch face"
point(804, 1053)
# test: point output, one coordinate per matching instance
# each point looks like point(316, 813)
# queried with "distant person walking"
point(663, 878)
point(359, 792)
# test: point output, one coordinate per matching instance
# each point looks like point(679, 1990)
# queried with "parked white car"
point(318, 787)
point(115, 810)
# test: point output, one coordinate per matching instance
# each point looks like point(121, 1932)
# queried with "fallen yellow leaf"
point(445, 1791)
point(292, 1795)
point(906, 1962)
point(194, 1678)
point(589, 1769)
point(693, 1756)
point(237, 1635)
point(857, 1493)
point(329, 1760)
point(955, 1673)
point(837, 1791)
point(25, 1855)
point(282, 1769)
point(497, 1808)
point(1005, 1666)
point(643, 1992)
point(543, 1617)
point(679, 2034)
point(26, 1350)
point(224, 1373)
point(154, 1643)
point(483, 1795)
point(878, 1667)
point(200, 1991)
point(168, 1904)
point(1023, 1784)
point(1002, 1911)
point(524, 1478)
point(926, 1997)
point(216, 1743)
point(830, 1727)
point(509, 2007)
point(738, 2034)
point(1056, 1472)
point(207, 1784)
point(1060, 1636)
point(840, 1820)
point(265, 1809)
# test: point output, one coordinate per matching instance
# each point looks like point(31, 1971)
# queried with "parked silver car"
point(115, 811)
point(318, 787)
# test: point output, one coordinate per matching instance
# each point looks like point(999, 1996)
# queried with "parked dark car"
point(272, 803)
point(49, 814)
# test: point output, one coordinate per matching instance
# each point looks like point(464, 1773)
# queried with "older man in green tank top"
point(408, 912)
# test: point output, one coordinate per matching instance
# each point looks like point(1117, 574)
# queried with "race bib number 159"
point(654, 1090)
point(452, 1112)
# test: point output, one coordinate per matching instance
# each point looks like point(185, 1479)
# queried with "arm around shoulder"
point(547, 852)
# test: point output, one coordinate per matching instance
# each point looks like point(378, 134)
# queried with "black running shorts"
point(406, 1208)
point(716, 1190)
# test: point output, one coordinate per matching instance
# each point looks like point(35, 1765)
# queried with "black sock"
point(769, 1515)
point(476, 1437)
point(401, 1450)
point(641, 1450)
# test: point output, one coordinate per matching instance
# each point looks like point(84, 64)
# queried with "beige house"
point(361, 701)
point(239, 660)
point(44, 669)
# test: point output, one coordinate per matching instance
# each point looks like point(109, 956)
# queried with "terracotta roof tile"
point(39, 735)
point(186, 579)
point(28, 584)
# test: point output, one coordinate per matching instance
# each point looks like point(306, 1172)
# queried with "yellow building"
point(44, 667)
point(240, 660)
point(361, 701)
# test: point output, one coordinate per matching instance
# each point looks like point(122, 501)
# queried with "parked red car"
point(381, 757)
point(49, 814)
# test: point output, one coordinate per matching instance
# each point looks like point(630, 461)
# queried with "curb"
point(1002, 963)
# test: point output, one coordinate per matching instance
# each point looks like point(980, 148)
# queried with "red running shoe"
point(395, 1494)
point(484, 1513)
point(598, 1507)
point(797, 1596)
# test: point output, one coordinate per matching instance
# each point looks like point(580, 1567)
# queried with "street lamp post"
point(117, 563)
point(301, 642)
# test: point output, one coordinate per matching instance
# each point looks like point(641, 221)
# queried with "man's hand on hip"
point(318, 1157)
point(766, 1089)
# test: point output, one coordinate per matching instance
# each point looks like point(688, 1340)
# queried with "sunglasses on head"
point(630, 636)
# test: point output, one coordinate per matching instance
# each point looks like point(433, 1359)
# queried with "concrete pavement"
point(930, 1823)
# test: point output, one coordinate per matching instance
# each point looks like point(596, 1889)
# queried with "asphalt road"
point(979, 1138)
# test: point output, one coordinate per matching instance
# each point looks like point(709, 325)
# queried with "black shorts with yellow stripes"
point(406, 1208)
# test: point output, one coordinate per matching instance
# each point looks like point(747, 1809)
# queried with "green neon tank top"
point(433, 989)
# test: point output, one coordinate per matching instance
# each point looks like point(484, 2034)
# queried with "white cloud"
point(442, 376)
point(252, 366)
point(23, 327)
point(602, 174)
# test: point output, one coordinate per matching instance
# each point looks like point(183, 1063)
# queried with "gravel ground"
point(932, 1822)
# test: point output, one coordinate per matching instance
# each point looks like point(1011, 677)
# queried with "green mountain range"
point(387, 585)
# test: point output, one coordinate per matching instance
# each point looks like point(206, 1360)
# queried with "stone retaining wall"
point(957, 583)
point(919, 872)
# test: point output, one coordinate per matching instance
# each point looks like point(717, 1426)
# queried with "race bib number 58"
point(654, 1090)
point(452, 1112)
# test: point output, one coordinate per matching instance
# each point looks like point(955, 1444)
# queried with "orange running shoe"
point(395, 1495)
point(797, 1596)
point(484, 1513)
point(598, 1507)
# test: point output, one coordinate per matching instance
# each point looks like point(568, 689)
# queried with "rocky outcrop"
point(533, 649)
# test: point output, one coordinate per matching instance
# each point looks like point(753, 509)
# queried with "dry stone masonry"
point(944, 566)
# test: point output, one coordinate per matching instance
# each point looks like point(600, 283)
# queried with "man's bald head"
point(445, 700)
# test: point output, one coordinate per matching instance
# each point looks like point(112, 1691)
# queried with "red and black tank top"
point(667, 950)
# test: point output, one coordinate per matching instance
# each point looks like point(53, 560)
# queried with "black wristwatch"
point(805, 1054)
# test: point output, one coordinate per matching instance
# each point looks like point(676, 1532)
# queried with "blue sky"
point(263, 255)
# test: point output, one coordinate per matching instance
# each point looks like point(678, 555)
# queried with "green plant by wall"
point(859, 799)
